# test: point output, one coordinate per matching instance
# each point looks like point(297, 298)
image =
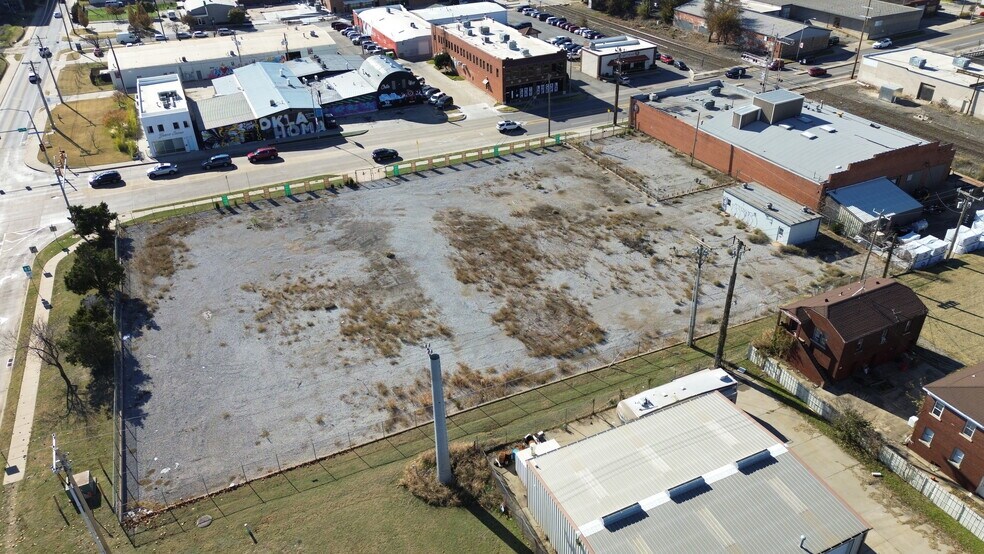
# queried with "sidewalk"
point(24, 420)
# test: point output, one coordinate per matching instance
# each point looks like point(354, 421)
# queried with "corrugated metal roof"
point(473, 10)
point(271, 88)
point(764, 511)
point(878, 196)
point(863, 308)
point(742, 491)
point(761, 23)
point(963, 390)
point(609, 471)
point(851, 8)
point(782, 209)
point(377, 68)
point(224, 110)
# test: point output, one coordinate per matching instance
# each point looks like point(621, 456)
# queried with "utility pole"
point(549, 91)
point(37, 81)
point(864, 26)
point(871, 244)
point(693, 151)
point(618, 84)
point(58, 464)
point(46, 56)
point(116, 60)
point(888, 259)
point(701, 251)
point(968, 201)
point(723, 333)
point(160, 19)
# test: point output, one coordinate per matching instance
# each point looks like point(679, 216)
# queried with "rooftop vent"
point(470, 32)
point(623, 517)
point(653, 97)
point(525, 52)
point(512, 45)
point(709, 105)
point(829, 128)
point(916, 61)
point(484, 30)
point(687, 490)
point(874, 125)
point(273, 102)
point(413, 25)
point(962, 63)
point(746, 186)
point(715, 91)
point(504, 37)
point(786, 126)
point(467, 24)
point(749, 462)
point(808, 135)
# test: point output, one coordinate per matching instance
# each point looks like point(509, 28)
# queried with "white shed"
point(783, 220)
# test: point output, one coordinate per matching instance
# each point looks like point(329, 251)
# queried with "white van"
point(127, 38)
point(172, 15)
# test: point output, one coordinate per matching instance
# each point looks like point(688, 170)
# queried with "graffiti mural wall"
point(231, 135)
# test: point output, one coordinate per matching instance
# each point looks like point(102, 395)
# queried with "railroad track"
point(610, 27)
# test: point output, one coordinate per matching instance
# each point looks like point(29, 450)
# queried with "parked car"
point(883, 43)
point(523, 7)
point(508, 125)
point(339, 25)
point(160, 36)
point(182, 35)
point(162, 169)
point(105, 178)
point(224, 32)
point(350, 31)
point(436, 97)
point(559, 40)
point(621, 79)
point(543, 16)
point(58, 14)
point(666, 58)
point(833, 41)
point(199, 34)
point(817, 71)
point(427, 90)
point(551, 20)
point(777, 65)
point(444, 102)
point(380, 155)
point(735, 73)
point(523, 25)
point(218, 160)
point(263, 153)
point(680, 65)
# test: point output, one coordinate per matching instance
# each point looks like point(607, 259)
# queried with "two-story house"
point(846, 329)
point(948, 433)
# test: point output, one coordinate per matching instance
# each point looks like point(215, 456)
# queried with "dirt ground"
point(289, 330)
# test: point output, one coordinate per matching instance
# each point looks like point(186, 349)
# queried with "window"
point(185, 124)
point(819, 338)
point(160, 127)
point(884, 336)
point(860, 345)
point(927, 436)
point(150, 129)
point(968, 430)
point(956, 457)
point(176, 125)
point(938, 409)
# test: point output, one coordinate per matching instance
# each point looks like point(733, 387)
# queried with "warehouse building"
point(495, 58)
point(210, 58)
point(781, 219)
point(164, 114)
point(396, 28)
point(697, 476)
point(859, 207)
point(378, 83)
point(884, 20)
point(927, 76)
point(762, 32)
point(210, 12)
point(475, 11)
point(800, 149)
point(629, 54)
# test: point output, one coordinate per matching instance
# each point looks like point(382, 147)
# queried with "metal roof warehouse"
point(698, 476)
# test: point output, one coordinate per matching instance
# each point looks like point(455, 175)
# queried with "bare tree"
point(44, 344)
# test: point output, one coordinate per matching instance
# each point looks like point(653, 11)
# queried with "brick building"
point(847, 329)
point(946, 433)
point(506, 65)
point(797, 148)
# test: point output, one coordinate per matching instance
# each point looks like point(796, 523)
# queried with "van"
point(127, 38)
point(218, 160)
point(172, 15)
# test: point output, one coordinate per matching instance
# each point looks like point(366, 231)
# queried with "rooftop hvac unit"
point(709, 105)
point(715, 91)
point(467, 24)
point(484, 30)
point(653, 97)
point(470, 32)
point(916, 61)
point(525, 52)
point(962, 63)
point(505, 37)
point(512, 45)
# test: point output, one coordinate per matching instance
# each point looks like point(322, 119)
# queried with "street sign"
point(27, 270)
point(22, 129)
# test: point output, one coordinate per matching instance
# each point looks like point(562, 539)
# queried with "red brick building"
point(777, 139)
point(846, 329)
point(948, 433)
point(499, 60)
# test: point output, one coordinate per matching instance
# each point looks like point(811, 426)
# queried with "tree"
point(138, 17)
point(723, 20)
point(43, 343)
point(83, 17)
point(237, 16)
point(442, 60)
point(94, 268)
point(189, 20)
point(666, 8)
point(710, 9)
point(73, 12)
point(94, 220)
point(642, 9)
point(115, 11)
point(89, 339)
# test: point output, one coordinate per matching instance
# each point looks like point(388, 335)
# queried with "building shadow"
point(493, 524)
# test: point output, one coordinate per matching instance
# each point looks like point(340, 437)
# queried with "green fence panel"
point(287, 189)
point(225, 200)
point(495, 151)
point(396, 170)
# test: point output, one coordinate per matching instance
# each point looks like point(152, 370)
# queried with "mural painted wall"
point(290, 124)
point(231, 135)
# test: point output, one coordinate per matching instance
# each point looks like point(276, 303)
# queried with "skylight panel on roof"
point(808, 135)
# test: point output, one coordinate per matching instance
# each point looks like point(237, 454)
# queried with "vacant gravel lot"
point(286, 330)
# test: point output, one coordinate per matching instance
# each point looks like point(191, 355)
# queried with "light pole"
point(799, 45)
point(46, 56)
point(44, 150)
point(864, 26)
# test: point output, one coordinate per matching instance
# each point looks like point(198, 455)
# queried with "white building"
point(677, 390)
point(781, 219)
point(601, 57)
point(698, 476)
point(443, 15)
point(396, 28)
point(928, 77)
point(163, 111)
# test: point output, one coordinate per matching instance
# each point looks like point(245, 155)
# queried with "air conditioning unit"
point(916, 61)
point(962, 63)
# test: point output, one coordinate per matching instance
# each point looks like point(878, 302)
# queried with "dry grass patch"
point(77, 78)
point(385, 328)
point(162, 255)
point(490, 253)
point(83, 135)
point(473, 482)
point(549, 323)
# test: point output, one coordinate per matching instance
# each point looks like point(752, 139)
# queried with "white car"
point(508, 125)
point(58, 14)
point(162, 169)
point(883, 43)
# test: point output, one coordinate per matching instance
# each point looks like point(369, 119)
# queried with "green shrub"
point(758, 237)
point(791, 249)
